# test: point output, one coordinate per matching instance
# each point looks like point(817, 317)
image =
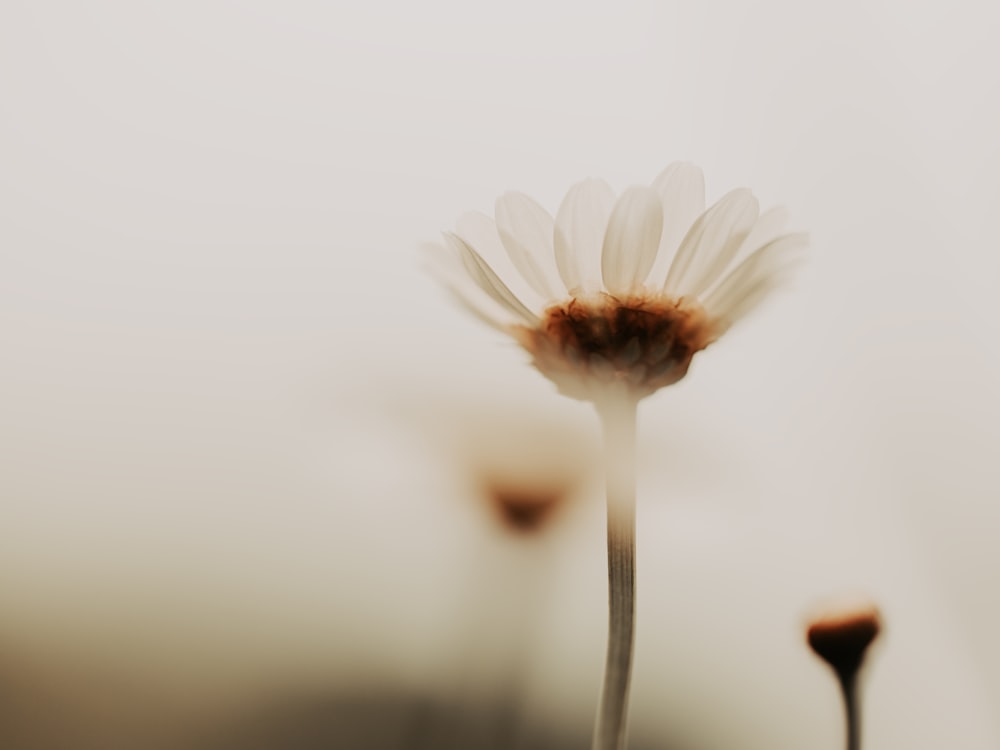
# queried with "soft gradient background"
point(240, 429)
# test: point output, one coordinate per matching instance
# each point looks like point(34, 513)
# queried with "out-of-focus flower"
point(523, 507)
point(840, 635)
point(591, 311)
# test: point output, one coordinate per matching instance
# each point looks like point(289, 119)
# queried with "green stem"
point(618, 418)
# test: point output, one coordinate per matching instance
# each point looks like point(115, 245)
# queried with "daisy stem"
point(618, 419)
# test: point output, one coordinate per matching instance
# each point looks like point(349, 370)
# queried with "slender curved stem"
point(849, 688)
point(618, 418)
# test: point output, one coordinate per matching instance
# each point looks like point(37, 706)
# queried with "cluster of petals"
point(655, 246)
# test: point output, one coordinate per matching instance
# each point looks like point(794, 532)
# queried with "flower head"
point(525, 508)
point(841, 633)
point(618, 292)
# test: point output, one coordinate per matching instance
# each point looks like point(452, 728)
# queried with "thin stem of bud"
point(618, 418)
point(849, 688)
point(841, 638)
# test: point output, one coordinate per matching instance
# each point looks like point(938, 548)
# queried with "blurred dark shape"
point(524, 461)
point(525, 508)
point(389, 720)
point(529, 471)
point(840, 636)
point(841, 639)
point(63, 707)
point(84, 706)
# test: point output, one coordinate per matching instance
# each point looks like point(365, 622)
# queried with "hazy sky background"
point(230, 397)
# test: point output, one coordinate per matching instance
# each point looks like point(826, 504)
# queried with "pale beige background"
point(230, 399)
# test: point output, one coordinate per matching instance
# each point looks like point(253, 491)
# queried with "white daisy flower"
point(612, 298)
point(619, 291)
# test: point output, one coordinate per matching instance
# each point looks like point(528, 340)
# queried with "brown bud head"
point(841, 635)
point(524, 508)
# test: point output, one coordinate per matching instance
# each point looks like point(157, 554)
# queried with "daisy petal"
point(526, 232)
point(480, 231)
point(488, 281)
point(682, 188)
point(711, 267)
point(579, 231)
point(445, 265)
point(750, 297)
point(768, 227)
point(730, 297)
point(632, 239)
point(477, 311)
point(711, 243)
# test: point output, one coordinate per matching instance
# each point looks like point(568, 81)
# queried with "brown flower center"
point(647, 342)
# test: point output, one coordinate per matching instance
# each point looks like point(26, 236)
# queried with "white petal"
point(748, 300)
point(480, 231)
point(711, 243)
point(768, 227)
point(473, 305)
point(488, 281)
point(526, 231)
point(632, 239)
point(581, 222)
point(682, 188)
point(445, 265)
point(730, 298)
point(709, 267)
point(474, 308)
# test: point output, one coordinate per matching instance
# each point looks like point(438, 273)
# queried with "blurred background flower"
point(213, 501)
